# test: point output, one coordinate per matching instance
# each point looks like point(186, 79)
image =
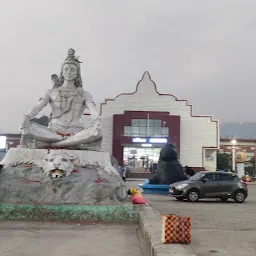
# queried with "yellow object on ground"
point(135, 192)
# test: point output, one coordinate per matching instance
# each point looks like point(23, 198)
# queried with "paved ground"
point(58, 239)
point(217, 228)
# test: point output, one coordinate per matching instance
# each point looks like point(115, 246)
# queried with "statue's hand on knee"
point(97, 124)
point(97, 127)
point(24, 126)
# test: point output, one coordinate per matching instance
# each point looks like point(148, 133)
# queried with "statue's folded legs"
point(85, 136)
point(39, 136)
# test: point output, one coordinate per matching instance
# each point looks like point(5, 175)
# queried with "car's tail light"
point(243, 182)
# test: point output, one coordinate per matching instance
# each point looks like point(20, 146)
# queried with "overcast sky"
point(203, 51)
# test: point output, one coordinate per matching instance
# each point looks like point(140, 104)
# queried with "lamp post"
point(233, 142)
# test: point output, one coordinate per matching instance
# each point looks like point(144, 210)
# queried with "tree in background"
point(223, 161)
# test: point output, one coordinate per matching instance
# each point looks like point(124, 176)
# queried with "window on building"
point(145, 127)
point(127, 130)
point(135, 122)
point(155, 123)
point(135, 131)
point(142, 123)
point(157, 131)
point(142, 130)
point(165, 131)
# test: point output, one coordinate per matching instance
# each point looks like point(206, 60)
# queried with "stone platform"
point(89, 178)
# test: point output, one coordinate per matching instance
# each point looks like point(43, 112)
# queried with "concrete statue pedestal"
point(82, 177)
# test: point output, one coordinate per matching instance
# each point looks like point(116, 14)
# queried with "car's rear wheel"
point(180, 198)
point(193, 195)
point(239, 196)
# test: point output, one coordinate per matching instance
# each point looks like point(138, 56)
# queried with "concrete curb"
point(41, 212)
point(150, 230)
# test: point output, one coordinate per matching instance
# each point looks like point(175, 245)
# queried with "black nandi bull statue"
point(169, 169)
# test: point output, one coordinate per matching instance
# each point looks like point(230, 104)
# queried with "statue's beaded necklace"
point(64, 97)
point(67, 93)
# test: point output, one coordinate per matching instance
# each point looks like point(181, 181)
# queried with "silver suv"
point(222, 185)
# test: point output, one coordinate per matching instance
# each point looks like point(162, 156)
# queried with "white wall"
point(196, 132)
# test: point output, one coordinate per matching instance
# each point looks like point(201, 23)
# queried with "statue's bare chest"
point(62, 99)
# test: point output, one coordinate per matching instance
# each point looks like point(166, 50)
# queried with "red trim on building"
point(121, 120)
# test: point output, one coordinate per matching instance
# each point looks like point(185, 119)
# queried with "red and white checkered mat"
point(175, 229)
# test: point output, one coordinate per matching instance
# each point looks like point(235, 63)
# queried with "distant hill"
point(238, 130)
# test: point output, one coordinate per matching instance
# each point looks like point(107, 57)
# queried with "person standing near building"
point(189, 171)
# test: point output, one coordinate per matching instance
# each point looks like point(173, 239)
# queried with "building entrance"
point(139, 159)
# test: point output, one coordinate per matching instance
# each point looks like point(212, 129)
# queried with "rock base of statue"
point(40, 176)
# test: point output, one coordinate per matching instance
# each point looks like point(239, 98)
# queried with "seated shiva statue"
point(67, 101)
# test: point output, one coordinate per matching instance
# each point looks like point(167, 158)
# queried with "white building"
point(136, 125)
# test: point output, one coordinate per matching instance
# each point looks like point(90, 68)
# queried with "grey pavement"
point(59, 239)
point(217, 228)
